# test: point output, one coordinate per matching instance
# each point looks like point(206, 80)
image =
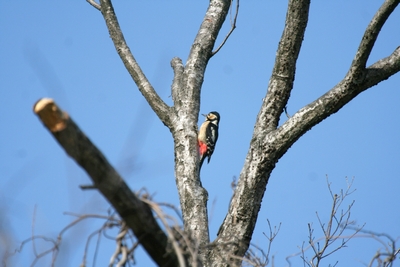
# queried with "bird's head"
point(213, 117)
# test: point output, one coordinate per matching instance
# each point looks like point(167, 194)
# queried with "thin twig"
point(111, 221)
point(87, 247)
point(332, 231)
point(33, 231)
point(233, 27)
point(390, 247)
point(171, 206)
point(272, 235)
point(162, 217)
point(287, 114)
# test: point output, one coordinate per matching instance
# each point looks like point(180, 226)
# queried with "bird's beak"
point(205, 115)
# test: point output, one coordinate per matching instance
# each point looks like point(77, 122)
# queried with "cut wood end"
point(41, 104)
point(51, 115)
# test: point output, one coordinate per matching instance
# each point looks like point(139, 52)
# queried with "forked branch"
point(368, 41)
point(94, 4)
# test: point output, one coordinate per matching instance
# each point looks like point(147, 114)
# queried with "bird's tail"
point(202, 158)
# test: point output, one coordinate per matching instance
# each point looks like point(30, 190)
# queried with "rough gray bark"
point(186, 92)
point(269, 142)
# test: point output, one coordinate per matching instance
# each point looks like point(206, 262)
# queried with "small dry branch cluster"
point(334, 237)
point(125, 242)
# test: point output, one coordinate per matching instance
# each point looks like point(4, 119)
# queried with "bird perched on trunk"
point(208, 136)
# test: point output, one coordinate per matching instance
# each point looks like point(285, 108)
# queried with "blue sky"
point(62, 50)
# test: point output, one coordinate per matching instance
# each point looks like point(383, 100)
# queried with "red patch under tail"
point(202, 148)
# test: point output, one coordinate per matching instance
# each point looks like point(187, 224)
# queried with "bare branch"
point(83, 217)
point(348, 89)
point(332, 231)
point(57, 242)
point(169, 231)
point(390, 247)
point(324, 106)
point(134, 212)
point(233, 27)
point(271, 236)
point(269, 144)
point(33, 232)
point(244, 207)
point(367, 42)
point(120, 248)
point(175, 209)
point(177, 66)
point(157, 104)
point(255, 260)
point(201, 52)
point(98, 233)
point(383, 69)
point(94, 4)
point(282, 78)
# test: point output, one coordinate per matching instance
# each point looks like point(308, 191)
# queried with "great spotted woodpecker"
point(208, 136)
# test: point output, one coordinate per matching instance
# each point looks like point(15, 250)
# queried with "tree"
point(269, 143)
